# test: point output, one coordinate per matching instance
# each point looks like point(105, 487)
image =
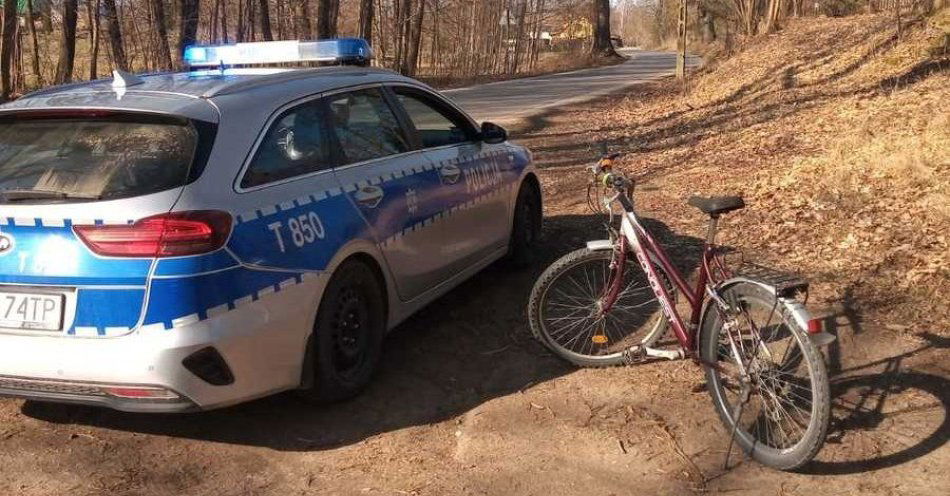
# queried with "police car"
point(193, 240)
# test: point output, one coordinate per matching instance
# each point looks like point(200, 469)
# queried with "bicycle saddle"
point(717, 205)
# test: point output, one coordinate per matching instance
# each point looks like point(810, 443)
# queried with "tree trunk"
point(251, 33)
point(188, 11)
point(750, 16)
point(36, 44)
point(280, 20)
point(158, 21)
point(115, 36)
point(415, 42)
point(601, 46)
point(67, 43)
point(303, 25)
point(366, 20)
point(241, 34)
point(265, 21)
point(92, 11)
point(6, 49)
point(401, 32)
point(771, 20)
point(327, 13)
point(520, 40)
point(224, 21)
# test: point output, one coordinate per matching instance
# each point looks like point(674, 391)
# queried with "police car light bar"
point(340, 51)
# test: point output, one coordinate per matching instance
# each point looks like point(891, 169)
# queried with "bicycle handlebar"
point(604, 174)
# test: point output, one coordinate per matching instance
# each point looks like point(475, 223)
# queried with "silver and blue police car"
point(193, 240)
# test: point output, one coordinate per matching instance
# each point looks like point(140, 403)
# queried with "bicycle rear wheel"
point(564, 309)
point(780, 408)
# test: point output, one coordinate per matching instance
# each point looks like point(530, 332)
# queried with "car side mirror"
point(493, 134)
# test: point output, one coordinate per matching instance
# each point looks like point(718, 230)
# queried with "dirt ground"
point(467, 403)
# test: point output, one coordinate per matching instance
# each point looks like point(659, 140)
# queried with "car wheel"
point(347, 336)
point(526, 229)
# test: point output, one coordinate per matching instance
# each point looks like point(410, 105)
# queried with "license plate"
point(31, 311)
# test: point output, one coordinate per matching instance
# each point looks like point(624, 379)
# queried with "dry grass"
point(837, 133)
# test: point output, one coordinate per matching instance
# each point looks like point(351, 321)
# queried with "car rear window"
point(91, 158)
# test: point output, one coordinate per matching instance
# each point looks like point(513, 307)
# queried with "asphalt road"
point(508, 101)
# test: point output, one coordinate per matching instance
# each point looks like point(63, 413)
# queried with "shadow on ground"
point(467, 348)
point(775, 96)
point(900, 412)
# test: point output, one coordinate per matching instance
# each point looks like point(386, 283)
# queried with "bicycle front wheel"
point(779, 408)
point(564, 311)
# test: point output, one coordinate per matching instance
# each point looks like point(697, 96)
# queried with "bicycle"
point(749, 329)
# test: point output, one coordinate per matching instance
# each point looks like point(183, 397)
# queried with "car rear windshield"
point(94, 158)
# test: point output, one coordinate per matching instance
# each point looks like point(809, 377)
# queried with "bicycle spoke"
point(776, 413)
point(570, 313)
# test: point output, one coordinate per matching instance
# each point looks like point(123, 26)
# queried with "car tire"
point(347, 337)
point(526, 228)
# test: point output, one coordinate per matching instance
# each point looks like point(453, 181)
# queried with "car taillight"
point(167, 235)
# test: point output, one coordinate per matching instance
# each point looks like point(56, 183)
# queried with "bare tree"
point(775, 9)
point(31, 24)
point(115, 35)
point(328, 12)
point(158, 24)
point(265, 21)
point(366, 20)
point(601, 46)
point(303, 26)
point(414, 43)
point(748, 12)
point(6, 50)
point(67, 43)
point(188, 23)
point(92, 13)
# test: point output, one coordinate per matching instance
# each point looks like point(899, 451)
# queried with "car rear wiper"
point(14, 195)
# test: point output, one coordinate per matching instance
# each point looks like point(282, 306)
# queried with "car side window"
point(297, 143)
point(437, 126)
point(366, 126)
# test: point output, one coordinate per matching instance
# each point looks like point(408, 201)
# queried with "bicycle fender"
point(803, 317)
point(600, 245)
point(790, 307)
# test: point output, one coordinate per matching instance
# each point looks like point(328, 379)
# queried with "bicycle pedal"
point(639, 354)
point(635, 355)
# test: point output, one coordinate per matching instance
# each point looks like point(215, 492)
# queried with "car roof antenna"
point(122, 80)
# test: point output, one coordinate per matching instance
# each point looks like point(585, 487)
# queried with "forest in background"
point(446, 42)
point(56, 41)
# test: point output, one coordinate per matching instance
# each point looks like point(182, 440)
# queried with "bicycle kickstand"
point(735, 425)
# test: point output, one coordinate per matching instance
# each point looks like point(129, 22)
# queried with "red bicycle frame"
point(649, 252)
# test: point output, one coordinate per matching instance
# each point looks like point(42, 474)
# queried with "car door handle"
point(450, 174)
point(369, 196)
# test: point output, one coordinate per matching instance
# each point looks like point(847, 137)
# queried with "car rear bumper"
point(85, 393)
point(260, 344)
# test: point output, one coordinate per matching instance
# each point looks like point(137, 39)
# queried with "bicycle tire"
point(765, 381)
point(654, 322)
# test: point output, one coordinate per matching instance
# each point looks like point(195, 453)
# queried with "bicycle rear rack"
point(786, 284)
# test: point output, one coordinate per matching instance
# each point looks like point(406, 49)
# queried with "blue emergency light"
point(337, 51)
